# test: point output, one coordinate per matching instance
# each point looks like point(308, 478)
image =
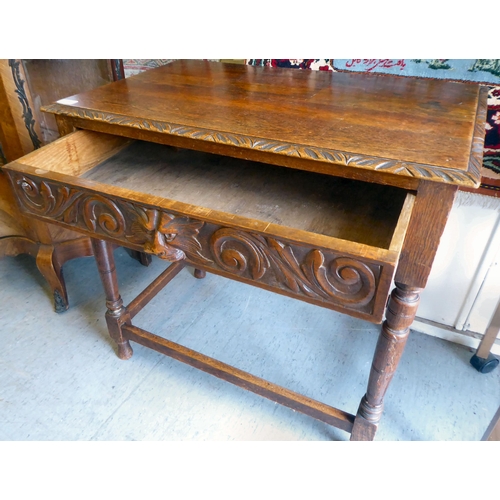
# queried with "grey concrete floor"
point(60, 379)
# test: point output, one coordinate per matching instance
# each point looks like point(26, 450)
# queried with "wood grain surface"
point(341, 208)
point(362, 121)
point(402, 146)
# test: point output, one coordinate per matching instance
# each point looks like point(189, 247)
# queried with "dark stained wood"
point(374, 120)
point(116, 314)
point(50, 79)
point(25, 85)
point(362, 429)
point(271, 391)
point(430, 214)
point(270, 158)
point(141, 257)
point(401, 311)
point(332, 242)
point(333, 270)
point(199, 273)
point(117, 69)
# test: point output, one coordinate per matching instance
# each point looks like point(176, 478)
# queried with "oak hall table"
point(325, 187)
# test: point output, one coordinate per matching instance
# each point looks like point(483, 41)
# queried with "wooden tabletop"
point(423, 128)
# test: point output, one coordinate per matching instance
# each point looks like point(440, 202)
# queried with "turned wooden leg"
point(199, 273)
point(401, 311)
point(116, 314)
point(421, 242)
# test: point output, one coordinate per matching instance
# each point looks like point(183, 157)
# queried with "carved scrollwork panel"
point(320, 275)
point(168, 236)
point(315, 273)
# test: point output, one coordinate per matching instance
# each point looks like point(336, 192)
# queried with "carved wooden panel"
point(318, 275)
point(374, 163)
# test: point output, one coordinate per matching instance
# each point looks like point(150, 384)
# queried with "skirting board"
point(466, 338)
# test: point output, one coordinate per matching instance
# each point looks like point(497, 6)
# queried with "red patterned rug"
point(492, 139)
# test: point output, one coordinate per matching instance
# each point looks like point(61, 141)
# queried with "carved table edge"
point(435, 173)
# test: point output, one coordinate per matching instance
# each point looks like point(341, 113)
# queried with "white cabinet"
point(464, 285)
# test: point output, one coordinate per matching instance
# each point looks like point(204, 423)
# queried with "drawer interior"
point(317, 203)
point(365, 213)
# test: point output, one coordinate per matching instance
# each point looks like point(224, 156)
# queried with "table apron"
point(332, 277)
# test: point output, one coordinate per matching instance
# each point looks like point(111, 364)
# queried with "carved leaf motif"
point(37, 197)
point(314, 153)
point(234, 257)
point(40, 198)
point(168, 236)
point(103, 213)
point(171, 237)
point(285, 263)
point(347, 280)
point(142, 222)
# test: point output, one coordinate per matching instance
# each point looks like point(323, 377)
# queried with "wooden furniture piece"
point(25, 85)
point(324, 187)
point(492, 433)
point(484, 361)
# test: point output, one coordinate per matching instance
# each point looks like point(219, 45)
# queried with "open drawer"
point(330, 241)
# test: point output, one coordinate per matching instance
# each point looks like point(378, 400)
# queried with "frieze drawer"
point(330, 241)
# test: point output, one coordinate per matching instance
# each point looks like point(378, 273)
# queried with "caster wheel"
point(484, 365)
